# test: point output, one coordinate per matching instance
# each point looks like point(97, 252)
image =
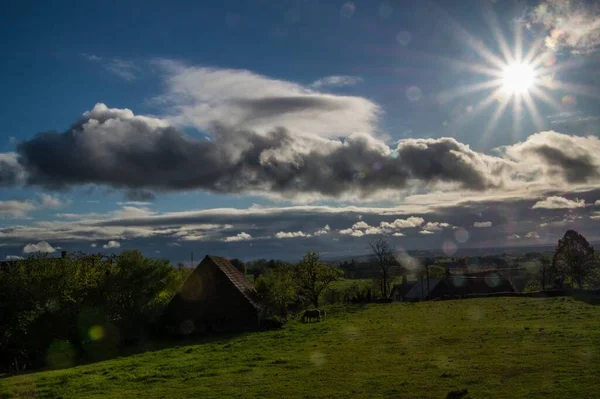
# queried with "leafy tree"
point(238, 264)
point(573, 260)
point(386, 264)
point(312, 277)
point(277, 291)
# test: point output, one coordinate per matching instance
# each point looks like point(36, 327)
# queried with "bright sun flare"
point(518, 78)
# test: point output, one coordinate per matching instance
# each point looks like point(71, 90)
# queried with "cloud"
point(435, 226)
point(597, 203)
point(398, 234)
point(11, 172)
point(243, 100)
point(324, 231)
point(532, 234)
point(15, 209)
point(291, 234)
point(111, 244)
point(134, 203)
point(238, 237)
point(93, 245)
point(104, 148)
point(362, 228)
point(13, 257)
point(403, 223)
point(572, 25)
point(482, 224)
point(559, 203)
point(126, 70)
point(336, 81)
point(514, 237)
point(426, 232)
point(49, 201)
point(41, 246)
point(91, 57)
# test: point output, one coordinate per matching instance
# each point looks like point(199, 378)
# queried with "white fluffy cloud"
point(42, 246)
point(238, 237)
point(482, 224)
point(111, 244)
point(13, 257)
point(426, 232)
point(324, 231)
point(573, 25)
point(362, 228)
point(291, 234)
point(51, 201)
point(559, 203)
point(532, 234)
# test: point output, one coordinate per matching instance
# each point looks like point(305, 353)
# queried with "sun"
point(518, 78)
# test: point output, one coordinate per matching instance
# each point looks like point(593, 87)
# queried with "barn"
point(215, 297)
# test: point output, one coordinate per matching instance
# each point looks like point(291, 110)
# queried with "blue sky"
point(223, 76)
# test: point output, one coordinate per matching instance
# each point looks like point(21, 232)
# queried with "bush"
point(92, 304)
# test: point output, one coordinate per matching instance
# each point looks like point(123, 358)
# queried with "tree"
point(573, 260)
point(386, 264)
point(312, 277)
point(277, 291)
point(238, 264)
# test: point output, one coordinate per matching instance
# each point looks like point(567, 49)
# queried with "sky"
point(262, 128)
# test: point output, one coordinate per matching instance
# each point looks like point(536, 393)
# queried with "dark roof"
point(402, 289)
point(419, 289)
point(240, 281)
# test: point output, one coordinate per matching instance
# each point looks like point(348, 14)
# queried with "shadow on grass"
point(143, 346)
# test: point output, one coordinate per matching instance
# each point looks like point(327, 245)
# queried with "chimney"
point(63, 254)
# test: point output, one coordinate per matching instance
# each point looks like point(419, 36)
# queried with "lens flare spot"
point(569, 101)
point(469, 109)
point(461, 235)
point(317, 358)
point(549, 59)
point(449, 248)
point(492, 280)
point(458, 281)
point(403, 38)
point(413, 93)
point(347, 10)
point(96, 333)
point(385, 9)
point(377, 165)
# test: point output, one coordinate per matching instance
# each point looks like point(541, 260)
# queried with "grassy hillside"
point(494, 347)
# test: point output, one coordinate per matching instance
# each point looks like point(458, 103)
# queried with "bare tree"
point(386, 263)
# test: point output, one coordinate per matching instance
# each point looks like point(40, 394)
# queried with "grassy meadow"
point(492, 347)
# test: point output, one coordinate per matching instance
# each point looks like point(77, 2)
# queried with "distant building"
point(215, 297)
point(485, 282)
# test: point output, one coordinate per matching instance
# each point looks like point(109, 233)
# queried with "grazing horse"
point(309, 315)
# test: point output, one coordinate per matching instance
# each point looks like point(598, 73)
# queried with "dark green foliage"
point(312, 277)
point(574, 260)
point(84, 305)
point(277, 291)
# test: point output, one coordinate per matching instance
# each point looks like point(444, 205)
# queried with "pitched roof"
point(419, 289)
point(240, 281)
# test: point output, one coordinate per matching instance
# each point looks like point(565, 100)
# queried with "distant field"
point(493, 347)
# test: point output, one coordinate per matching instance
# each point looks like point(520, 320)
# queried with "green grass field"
point(493, 347)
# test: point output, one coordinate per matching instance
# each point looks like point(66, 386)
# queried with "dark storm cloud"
point(113, 147)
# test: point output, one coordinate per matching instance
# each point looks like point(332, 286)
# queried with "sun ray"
point(492, 21)
point(517, 115)
point(494, 120)
point(535, 115)
point(453, 93)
